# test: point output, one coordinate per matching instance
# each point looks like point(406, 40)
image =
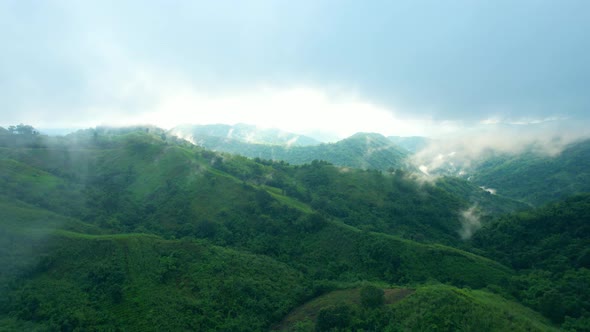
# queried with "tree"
point(333, 317)
point(371, 296)
point(23, 129)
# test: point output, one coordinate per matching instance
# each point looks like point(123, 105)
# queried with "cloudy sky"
point(412, 67)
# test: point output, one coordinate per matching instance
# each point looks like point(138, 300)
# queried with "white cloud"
point(167, 100)
point(456, 153)
point(470, 223)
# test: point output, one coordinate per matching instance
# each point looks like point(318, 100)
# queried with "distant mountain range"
point(412, 143)
point(530, 177)
point(203, 134)
point(362, 150)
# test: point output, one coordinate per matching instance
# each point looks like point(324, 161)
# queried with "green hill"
point(362, 150)
point(205, 134)
point(132, 229)
point(122, 177)
point(137, 282)
point(428, 308)
point(536, 178)
point(550, 249)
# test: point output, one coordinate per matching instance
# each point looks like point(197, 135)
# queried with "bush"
point(333, 317)
point(371, 296)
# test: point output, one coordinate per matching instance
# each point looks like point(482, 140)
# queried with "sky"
point(409, 67)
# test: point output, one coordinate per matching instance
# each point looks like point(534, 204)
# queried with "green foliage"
point(362, 150)
point(537, 178)
point(20, 135)
point(429, 308)
point(132, 229)
point(145, 283)
point(371, 296)
point(335, 317)
point(443, 308)
point(549, 247)
point(22, 129)
point(206, 134)
point(541, 238)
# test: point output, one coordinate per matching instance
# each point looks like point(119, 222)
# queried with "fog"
point(456, 154)
point(470, 223)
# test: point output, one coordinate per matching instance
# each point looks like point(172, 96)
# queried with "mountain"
point(550, 249)
point(134, 229)
point(125, 168)
point(203, 135)
point(411, 143)
point(362, 150)
point(537, 178)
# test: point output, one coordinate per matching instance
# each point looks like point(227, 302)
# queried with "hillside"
point(211, 135)
point(59, 279)
point(537, 178)
point(428, 308)
point(135, 229)
point(362, 150)
point(549, 247)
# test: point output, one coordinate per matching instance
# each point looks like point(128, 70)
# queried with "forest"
point(134, 229)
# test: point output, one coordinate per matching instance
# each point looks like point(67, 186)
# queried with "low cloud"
point(490, 190)
point(456, 154)
point(470, 223)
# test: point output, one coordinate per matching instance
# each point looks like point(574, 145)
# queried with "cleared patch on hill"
point(428, 308)
point(310, 310)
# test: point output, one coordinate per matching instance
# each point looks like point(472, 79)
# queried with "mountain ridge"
point(361, 150)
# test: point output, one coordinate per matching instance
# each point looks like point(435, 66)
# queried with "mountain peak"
point(368, 135)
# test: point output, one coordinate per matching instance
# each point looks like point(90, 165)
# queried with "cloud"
point(302, 109)
point(456, 153)
point(434, 66)
point(470, 223)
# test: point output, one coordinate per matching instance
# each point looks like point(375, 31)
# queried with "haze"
point(324, 68)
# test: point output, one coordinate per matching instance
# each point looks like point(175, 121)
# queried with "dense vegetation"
point(550, 248)
point(428, 308)
point(535, 177)
point(134, 229)
point(362, 150)
point(202, 134)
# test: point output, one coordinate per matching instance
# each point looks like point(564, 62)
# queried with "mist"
point(470, 223)
point(456, 154)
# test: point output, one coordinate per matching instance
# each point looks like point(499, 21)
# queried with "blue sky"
point(396, 67)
